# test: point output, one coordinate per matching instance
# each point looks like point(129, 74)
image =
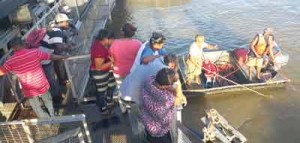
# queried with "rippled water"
point(230, 24)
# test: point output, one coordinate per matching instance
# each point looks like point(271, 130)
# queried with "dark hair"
point(166, 76)
point(129, 30)
point(157, 38)
point(196, 36)
point(103, 33)
point(171, 58)
point(16, 41)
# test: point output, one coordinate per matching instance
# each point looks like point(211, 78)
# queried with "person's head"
point(62, 20)
point(199, 39)
point(128, 30)
point(65, 9)
point(268, 31)
point(105, 37)
point(16, 44)
point(171, 61)
point(157, 41)
point(166, 76)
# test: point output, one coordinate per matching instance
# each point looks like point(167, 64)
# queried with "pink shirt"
point(124, 52)
point(26, 65)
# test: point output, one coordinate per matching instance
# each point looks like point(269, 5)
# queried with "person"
point(55, 42)
point(154, 49)
point(26, 65)
point(260, 45)
point(194, 61)
point(100, 71)
point(64, 9)
point(124, 52)
point(158, 106)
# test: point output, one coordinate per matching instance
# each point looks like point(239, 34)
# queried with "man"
point(194, 61)
point(259, 47)
point(55, 42)
point(26, 65)
point(124, 52)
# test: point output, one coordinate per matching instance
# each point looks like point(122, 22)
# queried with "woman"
point(100, 70)
point(158, 105)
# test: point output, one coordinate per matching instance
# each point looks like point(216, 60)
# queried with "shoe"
point(105, 111)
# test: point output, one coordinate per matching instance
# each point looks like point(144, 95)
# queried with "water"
point(229, 24)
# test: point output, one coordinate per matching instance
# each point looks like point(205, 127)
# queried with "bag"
point(34, 38)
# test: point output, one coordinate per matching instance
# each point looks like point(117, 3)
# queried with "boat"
point(228, 74)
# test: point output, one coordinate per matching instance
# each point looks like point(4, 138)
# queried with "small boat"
point(226, 74)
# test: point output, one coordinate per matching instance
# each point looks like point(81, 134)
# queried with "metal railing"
point(72, 128)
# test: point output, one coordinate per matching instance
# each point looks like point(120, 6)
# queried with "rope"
point(261, 94)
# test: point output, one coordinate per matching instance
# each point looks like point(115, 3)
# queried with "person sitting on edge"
point(154, 49)
point(158, 106)
point(100, 71)
point(194, 61)
point(124, 52)
point(26, 65)
point(260, 45)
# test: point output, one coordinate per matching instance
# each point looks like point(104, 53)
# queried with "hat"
point(157, 38)
point(61, 17)
point(65, 9)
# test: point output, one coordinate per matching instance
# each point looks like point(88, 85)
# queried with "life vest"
point(209, 68)
point(261, 45)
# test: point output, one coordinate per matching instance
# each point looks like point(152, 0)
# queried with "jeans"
point(60, 71)
point(37, 102)
point(54, 85)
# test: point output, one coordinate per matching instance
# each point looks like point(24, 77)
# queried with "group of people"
point(146, 76)
point(264, 52)
point(37, 63)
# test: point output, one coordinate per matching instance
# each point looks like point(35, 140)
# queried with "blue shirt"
point(148, 51)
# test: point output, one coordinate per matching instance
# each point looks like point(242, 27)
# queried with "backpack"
point(34, 38)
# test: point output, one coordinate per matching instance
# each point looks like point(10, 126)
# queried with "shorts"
point(254, 61)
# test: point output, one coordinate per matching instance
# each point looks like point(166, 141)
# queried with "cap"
point(61, 17)
point(65, 9)
point(157, 38)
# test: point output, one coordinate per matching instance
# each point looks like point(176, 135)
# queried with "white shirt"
point(196, 51)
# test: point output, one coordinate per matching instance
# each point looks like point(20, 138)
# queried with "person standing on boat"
point(259, 47)
point(26, 65)
point(100, 71)
point(158, 106)
point(124, 52)
point(194, 61)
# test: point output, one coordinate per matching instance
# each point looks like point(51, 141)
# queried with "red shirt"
point(124, 52)
point(98, 51)
point(26, 65)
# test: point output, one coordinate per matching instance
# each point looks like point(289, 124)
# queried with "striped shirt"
point(52, 37)
point(26, 65)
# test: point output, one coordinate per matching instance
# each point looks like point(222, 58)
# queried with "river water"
point(229, 24)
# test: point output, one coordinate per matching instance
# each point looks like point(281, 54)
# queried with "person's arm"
point(212, 47)
point(57, 57)
point(101, 64)
point(180, 97)
point(252, 45)
point(2, 71)
point(270, 48)
point(147, 56)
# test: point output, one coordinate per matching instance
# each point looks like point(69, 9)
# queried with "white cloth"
point(196, 51)
point(137, 60)
point(132, 85)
